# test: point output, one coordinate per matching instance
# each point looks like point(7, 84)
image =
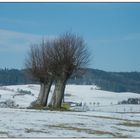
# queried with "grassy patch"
point(121, 129)
point(105, 117)
point(130, 124)
point(35, 106)
point(66, 106)
point(86, 130)
point(111, 118)
point(30, 130)
point(120, 135)
point(3, 133)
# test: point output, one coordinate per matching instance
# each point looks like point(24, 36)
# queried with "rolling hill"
point(110, 81)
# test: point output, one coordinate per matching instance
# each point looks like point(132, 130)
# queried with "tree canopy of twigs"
point(56, 60)
point(68, 54)
point(38, 66)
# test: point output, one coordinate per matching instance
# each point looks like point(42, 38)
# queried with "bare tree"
point(38, 66)
point(68, 53)
point(56, 59)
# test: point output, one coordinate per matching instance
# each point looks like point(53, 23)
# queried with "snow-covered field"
point(99, 116)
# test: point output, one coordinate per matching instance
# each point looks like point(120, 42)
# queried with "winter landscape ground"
point(99, 115)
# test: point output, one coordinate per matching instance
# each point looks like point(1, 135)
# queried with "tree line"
point(110, 81)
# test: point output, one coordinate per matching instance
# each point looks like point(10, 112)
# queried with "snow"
point(103, 117)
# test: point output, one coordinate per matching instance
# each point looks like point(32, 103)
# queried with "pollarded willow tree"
point(67, 55)
point(37, 65)
point(56, 60)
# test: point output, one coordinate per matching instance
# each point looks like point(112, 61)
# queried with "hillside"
point(98, 116)
point(110, 81)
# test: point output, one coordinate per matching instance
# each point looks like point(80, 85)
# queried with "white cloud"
point(11, 40)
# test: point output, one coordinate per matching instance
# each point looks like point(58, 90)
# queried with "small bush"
point(7, 89)
point(24, 91)
point(8, 104)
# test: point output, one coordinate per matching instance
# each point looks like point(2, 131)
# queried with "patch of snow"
point(101, 114)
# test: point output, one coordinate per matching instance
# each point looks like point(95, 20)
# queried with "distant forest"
point(110, 81)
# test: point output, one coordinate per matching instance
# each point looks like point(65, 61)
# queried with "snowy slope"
point(23, 123)
point(88, 95)
point(106, 119)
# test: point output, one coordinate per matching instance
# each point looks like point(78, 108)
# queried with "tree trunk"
point(59, 92)
point(46, 93)
point(41, 94)
point(53, 99)
point(38, 102)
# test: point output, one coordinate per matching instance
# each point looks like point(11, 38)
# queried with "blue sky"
point(111, 31)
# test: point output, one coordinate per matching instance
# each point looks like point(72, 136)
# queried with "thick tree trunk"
point(41, 94)
point(46, 93)
point(58, 93)
point(52, 101)
point(38, 102)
